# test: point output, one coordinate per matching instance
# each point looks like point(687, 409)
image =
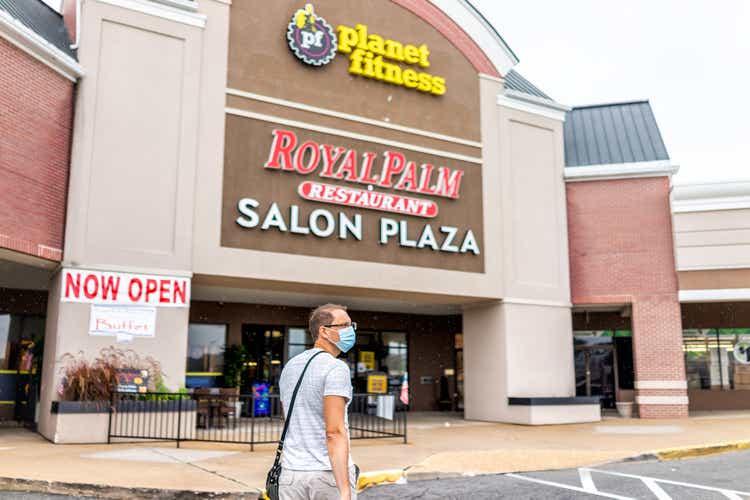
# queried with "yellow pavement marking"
point(699, 451)
point(367, 479)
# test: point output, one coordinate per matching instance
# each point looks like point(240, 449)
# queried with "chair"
point(229, 399)
point(203, 409)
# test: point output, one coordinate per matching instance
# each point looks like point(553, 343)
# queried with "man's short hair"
point(322, 315)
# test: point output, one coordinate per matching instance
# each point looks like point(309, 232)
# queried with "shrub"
point(95, 380)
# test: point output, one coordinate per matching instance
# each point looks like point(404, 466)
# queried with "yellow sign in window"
point(377, 384)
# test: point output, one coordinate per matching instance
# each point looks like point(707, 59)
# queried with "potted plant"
point(86, 390)
point(235, 359)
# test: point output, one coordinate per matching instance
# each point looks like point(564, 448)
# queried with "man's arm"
point(334, 408)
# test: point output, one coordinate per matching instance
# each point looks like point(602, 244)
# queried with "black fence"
point(224, 416)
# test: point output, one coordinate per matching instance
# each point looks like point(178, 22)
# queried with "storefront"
point(235, 164)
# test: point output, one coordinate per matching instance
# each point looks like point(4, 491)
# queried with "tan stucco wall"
point(67, 333)
point(132, 178)
point(717, 239)
point(533, 220)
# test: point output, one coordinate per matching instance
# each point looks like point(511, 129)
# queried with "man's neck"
point(327, 347)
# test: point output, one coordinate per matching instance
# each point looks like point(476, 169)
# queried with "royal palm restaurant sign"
point(365, 196)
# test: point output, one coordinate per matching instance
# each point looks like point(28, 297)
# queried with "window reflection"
point(206, 348)
point(717, 358)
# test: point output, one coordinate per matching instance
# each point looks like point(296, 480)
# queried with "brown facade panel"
point(716, 315)
point(714, 279)
point(293, 113)
point(260, 59)
point(249, 145)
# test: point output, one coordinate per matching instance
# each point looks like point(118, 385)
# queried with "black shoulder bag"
point(272, 480)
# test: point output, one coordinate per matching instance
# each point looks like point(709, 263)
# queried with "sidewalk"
point(439, 445)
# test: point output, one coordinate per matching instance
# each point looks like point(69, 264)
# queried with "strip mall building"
point(204, 172)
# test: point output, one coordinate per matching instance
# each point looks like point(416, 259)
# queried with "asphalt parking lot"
point(710, 478)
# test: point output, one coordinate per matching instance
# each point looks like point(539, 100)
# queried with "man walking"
point(316, 463)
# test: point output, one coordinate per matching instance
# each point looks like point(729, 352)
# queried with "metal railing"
point(229, 417)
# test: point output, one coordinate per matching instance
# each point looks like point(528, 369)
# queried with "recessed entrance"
point(604, 357)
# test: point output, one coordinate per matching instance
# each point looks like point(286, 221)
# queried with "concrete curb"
point(700, 451)
point(116, 492)
point(388, 477)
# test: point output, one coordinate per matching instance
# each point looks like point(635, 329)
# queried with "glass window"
point(299, 342)
point(4, 341)
point(17, 335)
point(206, 348)
point(717, 358)
point(394, 363)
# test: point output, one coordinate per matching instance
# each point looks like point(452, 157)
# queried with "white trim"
point(547, 109)
point(709, 196)
point(713, 267)
point(687, 206)
point(30, 42)
point(189, 5)
point(74, 45)
point(532, 99)
point(715, 295)
point(475, 27)
point(354, 118)
point(532, 302)
point(612, 171)
point(660, 384)
point(661, 400)
point(351, 135)
point(177, 14)
point(485, 76)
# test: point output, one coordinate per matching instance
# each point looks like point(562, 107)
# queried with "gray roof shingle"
point(40, 18)
point(514, 81)
point(612, 133)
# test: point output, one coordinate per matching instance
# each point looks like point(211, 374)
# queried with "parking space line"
point(568, 487)
point(656, 489)
point(586, 481)
point(734, 494)
point(731, 495)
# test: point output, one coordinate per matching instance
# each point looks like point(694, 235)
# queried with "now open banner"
point(101, 287)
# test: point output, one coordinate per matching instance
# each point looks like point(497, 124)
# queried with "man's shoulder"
point(323, 362)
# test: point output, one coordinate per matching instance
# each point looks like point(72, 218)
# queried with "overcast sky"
point(690, 58)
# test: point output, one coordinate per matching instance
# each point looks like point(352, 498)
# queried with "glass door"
point(265, 347)
point(595, 373)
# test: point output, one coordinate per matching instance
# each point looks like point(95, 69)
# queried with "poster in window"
point(377, 384)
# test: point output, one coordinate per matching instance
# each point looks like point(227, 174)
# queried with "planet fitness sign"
point(370, 55)
point(387, 182)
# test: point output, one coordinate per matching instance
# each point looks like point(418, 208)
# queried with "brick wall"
point(36, 107)
point(621, 252)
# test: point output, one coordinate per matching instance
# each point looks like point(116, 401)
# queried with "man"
point(316, 463)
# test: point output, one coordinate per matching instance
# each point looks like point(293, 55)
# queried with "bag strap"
point(291, 407)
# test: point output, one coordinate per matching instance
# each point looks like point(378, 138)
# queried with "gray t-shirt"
point(305, 445)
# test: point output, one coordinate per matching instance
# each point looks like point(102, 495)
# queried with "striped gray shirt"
point(305, 445)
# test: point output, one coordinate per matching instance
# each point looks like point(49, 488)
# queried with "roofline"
point(615, 103)
point(36, 46)
point(612, 171)
point(492, 28)
point(711, 196)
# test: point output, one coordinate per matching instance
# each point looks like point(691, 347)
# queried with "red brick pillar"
point(661, 388)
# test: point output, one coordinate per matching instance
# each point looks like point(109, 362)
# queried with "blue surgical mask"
point(348, 337)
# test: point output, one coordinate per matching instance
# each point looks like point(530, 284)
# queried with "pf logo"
point(311, 38)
